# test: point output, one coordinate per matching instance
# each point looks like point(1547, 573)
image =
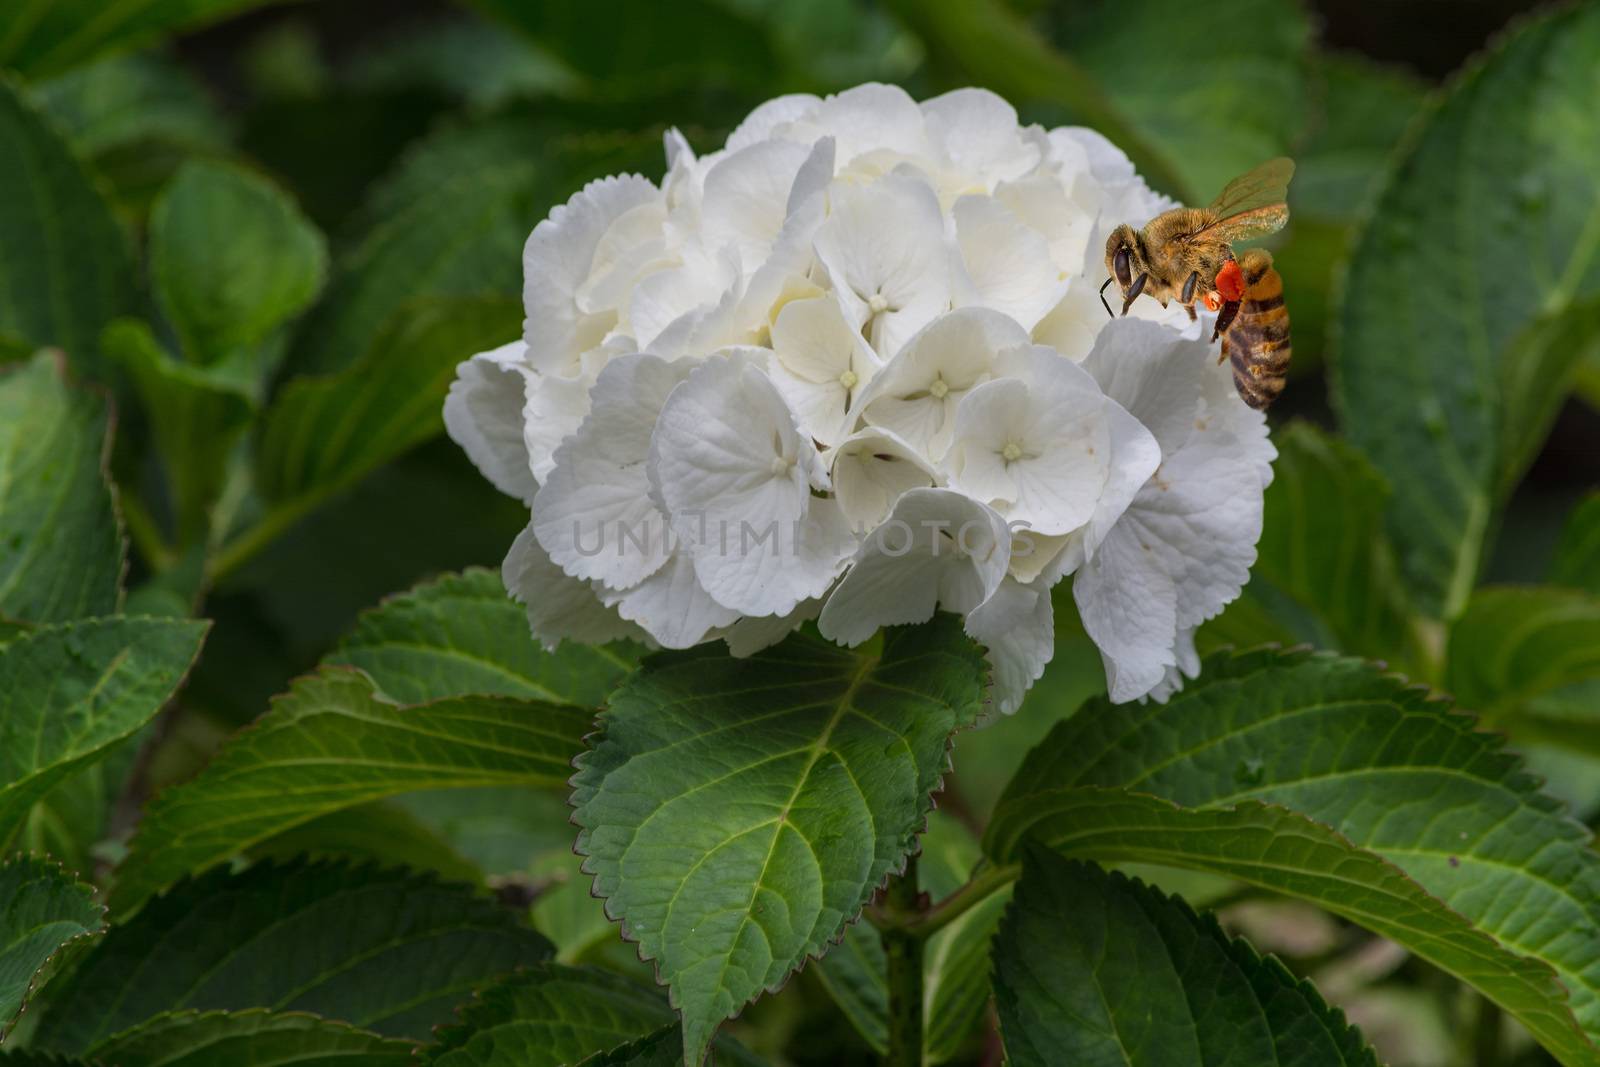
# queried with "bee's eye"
point(1119, 264)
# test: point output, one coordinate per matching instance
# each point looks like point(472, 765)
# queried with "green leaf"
point(502, 829)
point(44, 37)
point(71, 692)
point(250, 1039)
point(737, 814)
point(381, 832)
point(322, 434)
point(1362, 110)
point(223, 295)
point(1500, 173)
point(333, 742)
point(42, 911)
point(387, 950)
point(984, 42)
point(1577, 562)
point(462, 634)
point(1323, 549)
point(1515, 644)
point(1254, 74)
point(473, 61)
point(61, 550)
point(130, 100)
point(74, 816)
point(550, 1015)
point(1269, 846)
point(1096, 967)
point(955, 961)
point(1385, 769)
point(451, 222)
point(137, 119)
point(67, 270)
point(1359, 112)
point(196, 416)
point(564, 911)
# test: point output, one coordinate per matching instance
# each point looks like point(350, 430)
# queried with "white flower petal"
point(976, 132)
point(679, 298)
point(873, 117)
point(916, 393)
point(746, 198)
point(671, 605)
point(766, 120)
point(1192, 528)
point(937, 549)
point(753, 633)
point(820, 365)
point(555, 409)
point(1129, 607)
point(558, 259)
point(483, 414)
point(1040, 444)
point(593, 514)
point(1136, 456)
point(1188, 666)
point(871, 469)
point(1043, 204)
point(633, 246)
point(1005, 264)
point(814, 174)
point(884, 248)
point(560, 607)
point(1017, 626)
point(1033, 554)
point(1073, 325)
point(736, 474)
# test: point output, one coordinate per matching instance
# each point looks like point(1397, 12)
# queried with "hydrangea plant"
point(860, 645)
point(851, 367)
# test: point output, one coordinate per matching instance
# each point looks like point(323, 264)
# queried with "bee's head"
point(1123, 264)
point(1121, 249)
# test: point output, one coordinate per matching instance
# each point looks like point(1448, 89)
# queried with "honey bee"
point(1187, 254)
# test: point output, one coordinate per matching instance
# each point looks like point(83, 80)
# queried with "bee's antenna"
point(1103, 303)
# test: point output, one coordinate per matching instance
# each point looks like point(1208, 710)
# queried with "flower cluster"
point(853, 367)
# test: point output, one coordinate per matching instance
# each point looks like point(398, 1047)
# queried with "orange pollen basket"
point(1230, 281)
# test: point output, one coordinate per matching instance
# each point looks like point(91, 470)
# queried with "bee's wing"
point(1244, 224)
point(1251, 204)
point(1265, 185)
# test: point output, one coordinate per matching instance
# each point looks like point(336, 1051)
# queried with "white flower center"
point(878, 303)
point(1012, 452)
point(938, 389)
point(848, 379)
point(782, 464)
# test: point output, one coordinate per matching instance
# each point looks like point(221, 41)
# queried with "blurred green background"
point(388, 159)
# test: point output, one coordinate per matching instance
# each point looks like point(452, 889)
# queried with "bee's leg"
point(1225, 318)
point(1190, 309)
point(1188, 291)
point(1103, 303)
point(1134, 291)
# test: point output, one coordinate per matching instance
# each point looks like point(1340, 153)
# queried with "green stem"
point(994, 47)
point(1428, 640)
point(273, 525)
point(1486, 1032)
point(144, 532)
point(904, 952)
point(983, 885)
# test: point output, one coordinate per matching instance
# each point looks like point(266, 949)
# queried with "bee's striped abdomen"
point(1257, 343)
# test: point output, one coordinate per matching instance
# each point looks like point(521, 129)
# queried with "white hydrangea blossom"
point(851, 367)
